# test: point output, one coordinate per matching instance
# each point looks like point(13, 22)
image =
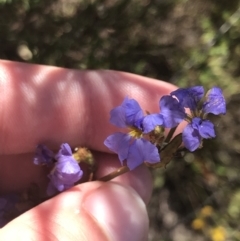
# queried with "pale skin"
point(42, 104)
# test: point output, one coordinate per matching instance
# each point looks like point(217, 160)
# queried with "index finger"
point(43, 104)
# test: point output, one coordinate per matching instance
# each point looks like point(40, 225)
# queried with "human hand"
point(41, 104)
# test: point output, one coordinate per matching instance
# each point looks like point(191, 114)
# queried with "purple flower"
point(135, 151)
point(215, 102)
point(195, 131)
point(171, 114)
point(199, 127)
point(43, 156)
point(189, 97)
point(171, 111)
point(65, 173)
point(132, 147)
point(129, 114)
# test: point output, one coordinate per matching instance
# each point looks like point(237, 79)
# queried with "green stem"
point(114, 174)
point(170, 134)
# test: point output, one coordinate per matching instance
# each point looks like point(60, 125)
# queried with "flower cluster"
point(199, 127)
point(137, 146)
point(145, 141)
point(66, 171)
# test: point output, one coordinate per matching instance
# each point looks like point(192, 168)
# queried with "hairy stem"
point(114, 174)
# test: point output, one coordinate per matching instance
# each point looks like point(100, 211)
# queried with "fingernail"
point(119, 211)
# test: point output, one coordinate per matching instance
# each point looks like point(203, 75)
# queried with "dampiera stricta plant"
point(184, 104)
point(145, 141)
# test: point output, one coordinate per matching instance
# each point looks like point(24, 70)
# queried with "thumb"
point(93, 211)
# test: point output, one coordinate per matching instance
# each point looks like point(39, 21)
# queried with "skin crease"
point(50, 105)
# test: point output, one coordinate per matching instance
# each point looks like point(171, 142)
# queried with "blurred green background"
point(185, 42)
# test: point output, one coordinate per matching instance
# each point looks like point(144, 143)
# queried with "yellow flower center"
point(135, 132)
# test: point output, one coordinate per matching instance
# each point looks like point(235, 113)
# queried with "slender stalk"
point(170, 134)
point(114, 174)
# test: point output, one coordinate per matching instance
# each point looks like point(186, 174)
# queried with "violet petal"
point(151, 121)
point(142, 150)
point(172, 111)
point(215, 102)
point(119, 143)
point(191, 138)
point(189, 97)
